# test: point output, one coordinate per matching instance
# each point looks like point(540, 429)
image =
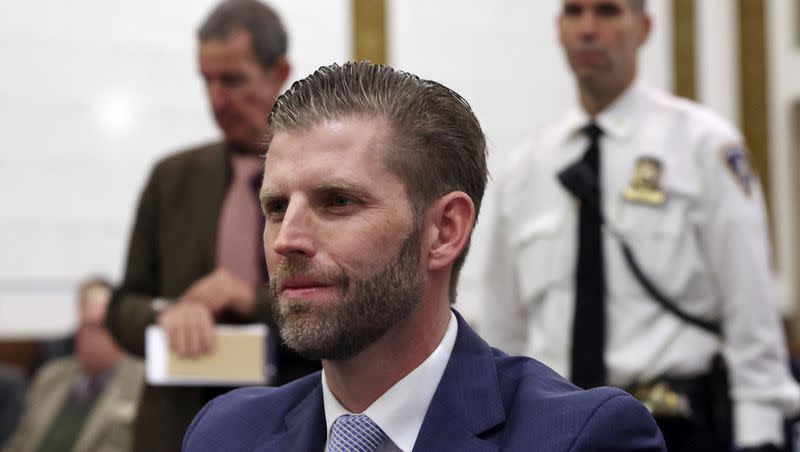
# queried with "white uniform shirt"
point(399, 412)
point(705, 246)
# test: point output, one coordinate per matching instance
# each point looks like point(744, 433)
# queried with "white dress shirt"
point(705, 246)
point(399, 412)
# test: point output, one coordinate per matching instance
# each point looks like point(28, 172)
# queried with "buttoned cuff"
point(756, 424)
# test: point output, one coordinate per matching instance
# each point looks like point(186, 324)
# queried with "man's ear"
point(449, 222)
point(646, 27)
point(281, 70)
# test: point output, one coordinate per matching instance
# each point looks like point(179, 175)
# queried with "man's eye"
point(339, 200)
point(232, 80)
point(572, 10)
point(342, 201)
point(608, 10)
point(276, 207)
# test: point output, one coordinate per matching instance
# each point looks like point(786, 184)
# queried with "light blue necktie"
point(355, 432)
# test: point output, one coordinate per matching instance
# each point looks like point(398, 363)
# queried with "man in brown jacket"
point(194, 256)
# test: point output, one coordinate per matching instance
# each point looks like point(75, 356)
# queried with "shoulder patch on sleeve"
point(735, 159)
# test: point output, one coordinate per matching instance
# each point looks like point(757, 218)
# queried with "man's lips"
point(301, 286)
point(590, 55)
point(299, 283)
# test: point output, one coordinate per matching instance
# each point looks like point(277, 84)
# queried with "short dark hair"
point(436, 145)
point(259, 20)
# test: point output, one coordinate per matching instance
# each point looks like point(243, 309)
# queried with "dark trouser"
point(709, 428)
point(683, 435)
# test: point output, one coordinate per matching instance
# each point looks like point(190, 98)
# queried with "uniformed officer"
point(628, 247)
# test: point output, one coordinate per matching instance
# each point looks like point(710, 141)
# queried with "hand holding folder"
point(238, 358)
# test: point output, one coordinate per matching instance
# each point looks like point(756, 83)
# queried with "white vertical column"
point(784, 84)
point(717, 57)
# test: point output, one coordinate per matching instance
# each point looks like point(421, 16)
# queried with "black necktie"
point(589, 324)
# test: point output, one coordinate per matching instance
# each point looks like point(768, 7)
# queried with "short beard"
point(368, 308)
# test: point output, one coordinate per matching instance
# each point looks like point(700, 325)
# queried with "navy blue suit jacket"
point(486, 401)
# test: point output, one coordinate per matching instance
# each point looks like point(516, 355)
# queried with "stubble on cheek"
point(364, 310)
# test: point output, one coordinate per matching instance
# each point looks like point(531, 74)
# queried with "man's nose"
point(296, 232)
point(587, 25)
point(217, 95)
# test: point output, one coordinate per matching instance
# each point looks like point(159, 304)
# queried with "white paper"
point(157, 359)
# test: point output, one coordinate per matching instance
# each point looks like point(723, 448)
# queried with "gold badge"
point(662, 400)
point(646, 182)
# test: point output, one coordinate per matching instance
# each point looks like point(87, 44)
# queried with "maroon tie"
point(237, 241)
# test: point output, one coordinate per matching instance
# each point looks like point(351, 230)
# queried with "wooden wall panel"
point(369, 31)
point(684, 48)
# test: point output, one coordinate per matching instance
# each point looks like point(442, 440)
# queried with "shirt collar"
point(399, 412)
point(616, 120)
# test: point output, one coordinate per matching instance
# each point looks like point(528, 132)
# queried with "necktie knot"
point(355, 432)
point(593, 131)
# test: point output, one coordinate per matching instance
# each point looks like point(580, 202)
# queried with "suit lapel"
point(214, 174)
point(467, 401)
point(443, 431)
point(48, 405)
point(305, 427)
point(467, 404)
point(112, 407)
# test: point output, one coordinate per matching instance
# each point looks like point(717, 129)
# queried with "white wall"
point(91, 93)
point(717, 57)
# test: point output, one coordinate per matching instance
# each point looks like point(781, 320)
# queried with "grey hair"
point(269, 38)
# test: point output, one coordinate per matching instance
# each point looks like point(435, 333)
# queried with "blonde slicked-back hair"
point(435, 145)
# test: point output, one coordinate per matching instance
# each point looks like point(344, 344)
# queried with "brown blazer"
point(109, 424)
point(173, 244)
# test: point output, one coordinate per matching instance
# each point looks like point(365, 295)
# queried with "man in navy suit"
point(374, 179)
